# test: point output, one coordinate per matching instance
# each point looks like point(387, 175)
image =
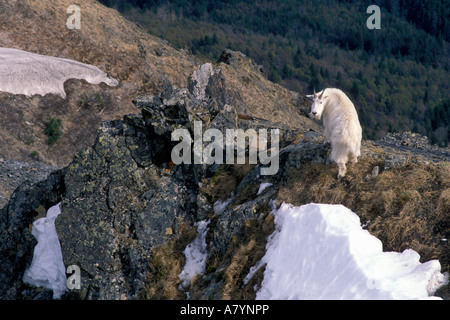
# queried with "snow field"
point(320, 251)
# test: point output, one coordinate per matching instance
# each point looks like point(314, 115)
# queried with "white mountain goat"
point(341, 123)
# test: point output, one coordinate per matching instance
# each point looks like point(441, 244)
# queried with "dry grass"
point(243, 253)
point(165, 265)
point(233, 273)
point(262, 98)
point(225, 181)
point(405, 208)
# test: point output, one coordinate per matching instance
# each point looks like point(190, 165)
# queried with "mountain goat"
point(341, 123)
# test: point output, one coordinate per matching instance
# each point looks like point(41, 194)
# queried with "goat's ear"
point(310, 97)
point(325, 97)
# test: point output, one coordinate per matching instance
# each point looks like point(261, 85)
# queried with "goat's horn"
point(320, 97)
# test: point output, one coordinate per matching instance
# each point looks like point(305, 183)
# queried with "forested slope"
point(397, 75)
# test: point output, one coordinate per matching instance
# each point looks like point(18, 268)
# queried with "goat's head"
point(318, 100)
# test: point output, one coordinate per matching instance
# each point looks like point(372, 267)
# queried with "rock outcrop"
point(126, 52)
point(128, 212)
point(13, 173)
point(120, 198)
point(140, 62)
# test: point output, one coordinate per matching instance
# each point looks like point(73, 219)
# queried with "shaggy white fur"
point(341, 123)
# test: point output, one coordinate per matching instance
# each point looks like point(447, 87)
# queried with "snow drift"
point(321, 252)
point(317, 251)
point(28, 73)
point(47, 267)
point(195, 254)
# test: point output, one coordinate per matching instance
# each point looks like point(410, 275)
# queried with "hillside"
point(398, 75)
point(140, 62)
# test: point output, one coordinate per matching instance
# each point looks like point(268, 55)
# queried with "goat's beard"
point(317, 116)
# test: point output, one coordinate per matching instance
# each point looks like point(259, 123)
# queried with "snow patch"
point(219, 206)
point(195, 254)
point(263, 186)
point(47, 267)
point(199, 80)
point(29, 73)
point(321, 252)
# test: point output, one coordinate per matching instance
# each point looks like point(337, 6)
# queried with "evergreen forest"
point(397, 76)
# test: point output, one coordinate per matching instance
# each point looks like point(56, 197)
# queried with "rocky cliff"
point(128, 212)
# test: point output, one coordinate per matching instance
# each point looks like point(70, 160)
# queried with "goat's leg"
point(342, 170)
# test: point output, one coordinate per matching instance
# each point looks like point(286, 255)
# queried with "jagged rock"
point(118, 197)
point(16, 241)
point(235, 58)
point(413, 144)
point(119, 204)
point(395, 161)
point(199, 80)
point(375, 171)
point(13, 173)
